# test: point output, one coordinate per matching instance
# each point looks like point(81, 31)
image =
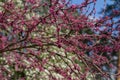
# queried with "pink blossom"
point(31, 1)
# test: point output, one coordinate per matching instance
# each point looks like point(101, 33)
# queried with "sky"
point(99, 5)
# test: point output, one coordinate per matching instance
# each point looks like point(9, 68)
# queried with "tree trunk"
point(118, 78)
